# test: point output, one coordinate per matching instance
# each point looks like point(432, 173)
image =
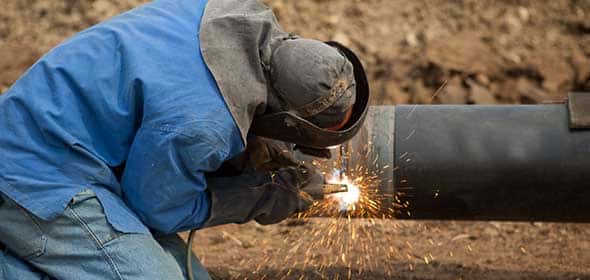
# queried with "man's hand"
point(270, 155)
point(288, 195)
point(267, 197)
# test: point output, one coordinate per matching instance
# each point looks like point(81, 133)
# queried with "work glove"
point(270, 155)
point(265, 152)
point(266, 197)
point(261, 154)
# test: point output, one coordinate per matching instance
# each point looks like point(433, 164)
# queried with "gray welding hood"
point(278, 85)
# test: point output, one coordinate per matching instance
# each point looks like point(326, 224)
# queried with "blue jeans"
point(80, 244)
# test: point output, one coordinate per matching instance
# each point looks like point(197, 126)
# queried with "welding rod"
point(470, 162)
point(319, 192)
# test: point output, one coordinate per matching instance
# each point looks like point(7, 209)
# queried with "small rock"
point(460, 236)
point(558, 75)
point(412, 40)
point(530, 91)
point(341, 38)
point(512, 23)
point(217, 239)
point(514, 57)
point(581, 64)
point(497, 225)
point(333, 19)
point(260, 228)
point(482, 79)
point(491, 232)
point(524, 14)
point(454, 92)
point(480, 94)
point(247, 244)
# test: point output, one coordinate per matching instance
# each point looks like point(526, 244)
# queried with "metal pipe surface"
point(467, 162)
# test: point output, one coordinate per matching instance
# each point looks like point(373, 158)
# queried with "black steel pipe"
point(464, 162)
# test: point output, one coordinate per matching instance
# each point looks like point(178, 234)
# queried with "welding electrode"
point(318, 192)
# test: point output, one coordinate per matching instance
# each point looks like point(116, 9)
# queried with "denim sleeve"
point(164, 180)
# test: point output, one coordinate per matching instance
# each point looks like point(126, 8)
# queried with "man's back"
point(124, 88)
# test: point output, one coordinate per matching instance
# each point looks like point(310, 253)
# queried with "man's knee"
point(12, 267)
point(89, 240)
point(20, 231)
point(139, 256)
point(177, 248)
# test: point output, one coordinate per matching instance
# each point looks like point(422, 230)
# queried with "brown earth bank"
point(478, 52)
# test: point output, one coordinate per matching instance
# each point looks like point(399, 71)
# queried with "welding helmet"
point(306, 125)
point(248, 53)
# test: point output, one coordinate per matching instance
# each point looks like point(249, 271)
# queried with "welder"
point(177, 115)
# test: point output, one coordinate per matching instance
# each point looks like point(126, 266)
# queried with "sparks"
point(344, 241)
point(346, 200)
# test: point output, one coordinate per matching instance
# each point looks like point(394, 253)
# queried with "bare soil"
point(483, 52)
point(387, 249)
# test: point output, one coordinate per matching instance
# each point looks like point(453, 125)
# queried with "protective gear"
point(270, 155)
point(270, 186)
point(246, 35)
point(303, 74)
point(267, 197)
point(261, 154)
point(242, 34)
point(289, 127)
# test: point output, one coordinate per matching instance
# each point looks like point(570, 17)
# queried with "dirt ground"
point(478, 52)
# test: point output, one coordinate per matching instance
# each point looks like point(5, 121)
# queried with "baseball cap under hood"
point(238, 40)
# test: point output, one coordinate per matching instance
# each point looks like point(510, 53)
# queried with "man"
point(150, 124)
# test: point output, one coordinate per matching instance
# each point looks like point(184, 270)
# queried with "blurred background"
point(483, 52)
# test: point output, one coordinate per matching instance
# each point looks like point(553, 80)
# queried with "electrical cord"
point(189, 254)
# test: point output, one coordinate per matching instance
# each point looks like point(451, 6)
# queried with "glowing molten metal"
point(346, 200)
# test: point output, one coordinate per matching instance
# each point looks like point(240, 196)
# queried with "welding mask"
point(277, 85)
point(320, 93)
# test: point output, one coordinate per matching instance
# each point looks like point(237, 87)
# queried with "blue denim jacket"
point(133, 89)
